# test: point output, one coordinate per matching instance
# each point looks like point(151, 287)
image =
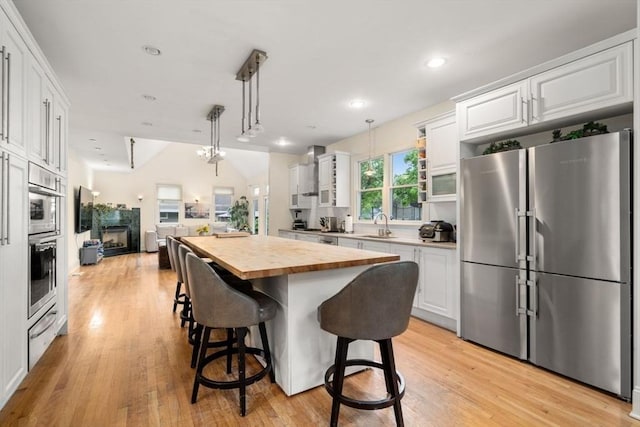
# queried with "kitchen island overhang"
point(299, 276)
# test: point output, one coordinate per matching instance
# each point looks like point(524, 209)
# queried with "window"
point(222, 200)
point(370, 187)
point(169, 197)
point(404, 186)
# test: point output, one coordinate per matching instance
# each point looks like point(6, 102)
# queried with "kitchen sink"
point(375, 236)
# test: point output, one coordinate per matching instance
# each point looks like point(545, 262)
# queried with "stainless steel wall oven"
point(44, 231)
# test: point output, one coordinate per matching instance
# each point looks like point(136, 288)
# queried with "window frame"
point(359, 190)
point(160, 200)
point(391, 186)
point(214, 205)
point(386, 188)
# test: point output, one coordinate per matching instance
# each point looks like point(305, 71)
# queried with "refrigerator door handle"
point(532, 233)
point(519, 310)
point(519, 214)
point(534, 300)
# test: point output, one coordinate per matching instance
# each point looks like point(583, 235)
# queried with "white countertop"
point(396, 240)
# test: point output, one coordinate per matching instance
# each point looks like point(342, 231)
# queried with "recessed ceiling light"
point(356, 103)
point(92, 139)
point(151, 50)
point(98, 148)
point(149, 97)
point(196, 131)
point(147, 124)
point(282, 142)
point(311, 126)
point(436, 62)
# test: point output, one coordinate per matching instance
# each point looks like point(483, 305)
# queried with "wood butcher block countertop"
point(266, 256)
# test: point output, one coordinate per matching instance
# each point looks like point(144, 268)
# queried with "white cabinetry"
point(47, 115)
point(594, 83)
point(437, 157)
point(495, 112)
point(334, 180)
point(14, 250)
point(287, 235)
point(61, 267)
point(12, 105)
point(299, 184)
point(437, 291)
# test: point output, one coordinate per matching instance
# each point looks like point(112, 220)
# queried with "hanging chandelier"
point(245, 74)
point(212, 153)
point(369, 171)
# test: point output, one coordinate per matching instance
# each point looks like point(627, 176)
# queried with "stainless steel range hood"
point(312, 160)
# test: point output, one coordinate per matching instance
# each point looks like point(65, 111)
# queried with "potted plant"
point(239, 214)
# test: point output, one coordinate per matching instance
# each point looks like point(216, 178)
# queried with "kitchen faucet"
point(386, 222)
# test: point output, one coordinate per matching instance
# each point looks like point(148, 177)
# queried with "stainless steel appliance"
point(41, 335)
point(299, 224)
point(44, 198)
point(545, 239)
point(442, 232)
point(42, 270)
point(329, 223)
point(328, 240)
point(427, 230)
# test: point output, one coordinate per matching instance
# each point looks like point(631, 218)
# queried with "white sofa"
point(157, 237)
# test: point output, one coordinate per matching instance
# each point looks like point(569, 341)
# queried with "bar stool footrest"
point(211, 383)
point(364, 404)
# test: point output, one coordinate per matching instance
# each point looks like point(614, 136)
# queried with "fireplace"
point(116, 240)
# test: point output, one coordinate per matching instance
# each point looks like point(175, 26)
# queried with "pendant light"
point(369, 171)
point(243, 136)
point(258, 128)
point(212, 154)
point(250, 67)
point(251, 132)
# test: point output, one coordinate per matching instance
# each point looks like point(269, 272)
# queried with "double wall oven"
point(44, 232)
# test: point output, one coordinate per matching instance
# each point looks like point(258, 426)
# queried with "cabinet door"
point(495, 112)
point(595, 82)
point(374, 246)
point(59, 137)
point(13, 281)
point(38, 150)
point(324, 196)
point(324, 170)
point(436, 281)
point(349, 243)
point(15, 60)
point(442, 141)
point(287, 235)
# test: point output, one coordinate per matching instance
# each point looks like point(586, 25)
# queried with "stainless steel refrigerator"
point(545, 237)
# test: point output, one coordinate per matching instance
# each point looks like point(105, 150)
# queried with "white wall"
point(176, 164)
point(78, 174)
point(279, 213)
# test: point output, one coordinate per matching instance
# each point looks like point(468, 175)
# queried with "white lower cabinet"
point(437, 287)
point(437, 292)
point(14, 250)
point(287, 235)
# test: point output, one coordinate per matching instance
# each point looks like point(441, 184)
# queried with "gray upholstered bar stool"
point(215, 304)
point(172, 251)
point(375, 306)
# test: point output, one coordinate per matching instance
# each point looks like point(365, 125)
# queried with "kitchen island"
point(299, 276)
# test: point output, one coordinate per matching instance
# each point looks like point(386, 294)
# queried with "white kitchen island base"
point(300, 350)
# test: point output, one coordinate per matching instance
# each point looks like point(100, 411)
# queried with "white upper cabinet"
point(299, 184)
point(597, 82)
point(438, 140)
point(12, 94)
point(334, 180)
point(498, 111)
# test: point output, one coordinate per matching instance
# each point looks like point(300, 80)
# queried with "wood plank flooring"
point(125, 361)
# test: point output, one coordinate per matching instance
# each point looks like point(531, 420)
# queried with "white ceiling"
point(321, 55)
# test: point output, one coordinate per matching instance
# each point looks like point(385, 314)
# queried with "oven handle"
point(42, 329)
point(46, 239)
point(44, 191)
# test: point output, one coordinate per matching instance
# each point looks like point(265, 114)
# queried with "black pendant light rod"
point(258, 91)
point(243, 105)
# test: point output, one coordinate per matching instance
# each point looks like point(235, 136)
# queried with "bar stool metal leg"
point(386, 352)
point(342, 347)
point(267, 352)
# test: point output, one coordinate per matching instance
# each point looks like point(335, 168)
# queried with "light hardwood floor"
point(125, 361)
